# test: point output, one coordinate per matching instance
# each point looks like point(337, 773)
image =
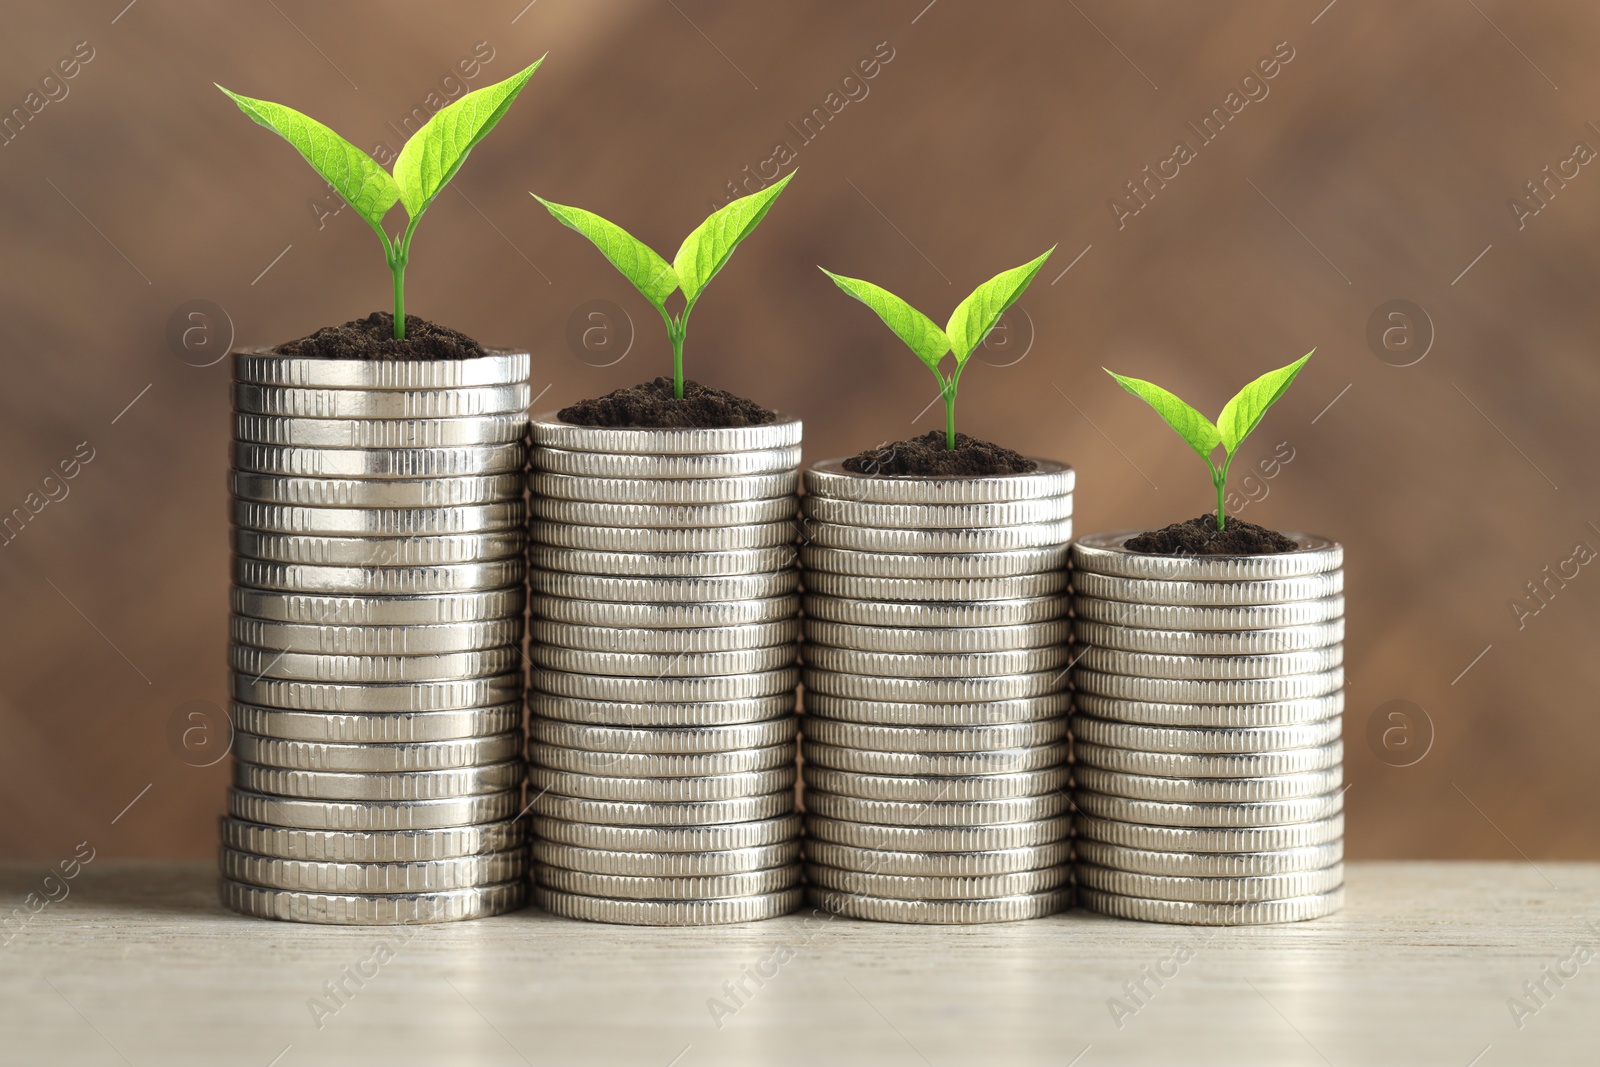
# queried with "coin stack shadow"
point(936, 661)
point(1206, 733)
point(379, 553)
point(663, 639)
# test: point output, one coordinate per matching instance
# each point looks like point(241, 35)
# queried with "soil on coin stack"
point(1199, 536)
point(927, 455)
point(373, 338)
point(651, 405)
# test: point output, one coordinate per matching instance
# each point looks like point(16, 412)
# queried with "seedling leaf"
point(1243, 413)
point(638, 262)
point(919, 332)
point(705, 251)
point(1192, 426)
point(975, 316)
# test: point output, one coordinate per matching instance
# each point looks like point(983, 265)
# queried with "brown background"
point(1393, 141)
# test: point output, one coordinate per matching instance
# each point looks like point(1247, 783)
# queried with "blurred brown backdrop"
point(1377, 164)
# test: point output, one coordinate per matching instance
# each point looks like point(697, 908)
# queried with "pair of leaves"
point(1239, 416)
point(701, 256)
point(969, 324)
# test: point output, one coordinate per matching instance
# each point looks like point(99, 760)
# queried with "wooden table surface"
point(138, 965)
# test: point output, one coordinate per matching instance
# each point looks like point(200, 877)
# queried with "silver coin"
point(669, 912)
point(1178, 841)
point(934, 690)
point(426, 876)
point(1208, 816)
point(657, 491)
point(948, 789)
point(376, 493)
point(978, 815)
point(550, 432)
point(1208, 864)
point(1205, 740)
point(654, 715)
point(686, 690)
point(380, 404)
point(937, 887)
point(261, 366)
point(375, 640)
point(315, 667)
point(373, 846)
point(664, 590)
point(464, 695)
point(1177, 617)
point(1209, 790)
point(1237, 716)
point(1297, 909)
point(939, 838)
point(964, 615)
point(902, 713)
point(650, 539)
point(1267, 591)
point(702, 465)
point(378, 581)
point(941, 912)
point(438, 609)
point(1211, 691)
point(937, 864)
point(830, 478)
point(1232, 765)
point(649, 888)
point(662, 664)
point(664, 642)
point(946, 566)
point(1245, 890)
point(666, 864)
point(937, 516)
point(664, 564)
point(380, 433)
point(705, 814)
point(415, 727)
point(394, 909)
point(378, 551)
point(920, 764)
point(662, 790)
point(935, 541)
point(938, 665)
point(374, 758)
point(1105, 553)
point(668, 516)
point(1197, 668)
point(931, 640)
point(378, 522)
point(715, 838)
point(670, 740)
point(294, 461)
point(935, 739)
point(665, 616)
point(450, 784)
point(661, 764)
point(305, 814)
point(1210, 642)
point(938, 589)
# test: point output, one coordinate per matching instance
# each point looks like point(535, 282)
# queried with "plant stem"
point(677, 359)
point(949, 420)
point(1219, 478)
point(1221, 519)
point(399, 270)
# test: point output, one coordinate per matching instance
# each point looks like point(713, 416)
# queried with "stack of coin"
point(936, 656)
point(378, 603)
point(1206, 733)
point(663, 638)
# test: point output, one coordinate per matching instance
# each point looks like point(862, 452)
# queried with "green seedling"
point(1239, 416)
point(423, 168)
point(702, 254)
point(969, 324)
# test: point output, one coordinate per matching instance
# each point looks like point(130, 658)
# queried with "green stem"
point(399, 270)
point(677, 360)
point(1219, 478)
point(949, 421)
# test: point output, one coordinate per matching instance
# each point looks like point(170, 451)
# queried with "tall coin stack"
point(665, 621)
point(379, 540)
point(935, 726)
point(1207, 733)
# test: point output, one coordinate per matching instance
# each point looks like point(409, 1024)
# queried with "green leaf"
point(1242, 414)
point(705, 251)
point(1192, 426)
point(975, 316)
point(431, 158)
point(638, 262)
point(918, 331)
point(353, 174)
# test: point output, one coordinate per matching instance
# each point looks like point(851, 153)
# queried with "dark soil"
point(927, 455)
point(651, 405)
point(373, 338)
point(1200, 537)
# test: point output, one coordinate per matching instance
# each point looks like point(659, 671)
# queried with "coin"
point(306, 814)
point(999, 761)
point(965, 615)
point(374, 758)
point(936, 639)
point(670, 516)
point(680, 814)
point(648, 888)
point(1244, 890)
point(372, 846)
point(710, 714)
point(946, 566)
point(314, 666)
point(1231, 765)
point(926, 665)
point(715, 838)
point(942, 788)
point(934, 690)
point(1297, 909)
point(901, 713)
point(1169, 840)
point(935, 739)
point(1104, 553)
point(942, 912)
point(930, 541)
point(417, 610)
point(937, 516)
point(378, 551)
point(667, 864)
point(658, 491)
point(664, 564)
point(1201, 740)
point(733, 587)
point(660, 764)
point(453, 784)
point(380, 433)
point(1210, 642)
point(301, 462)
point(262, 366)
point(634, 465)
point(1177, 617)
point(674, 740)
point(1239, 691)
point(939, 589)
point(394, 909)
point(650, 539)
point(1209, 815)
point(376, 640)
point(317, 492)
point(665, 642)
point(937, 887)
point(662, 664)
point(830, 478)
point(375, 404)
point(662, 790)
point(378, 522)
point(428, 876)
point(665, 616)
point(551, 432)
point(1195, 668)
point(937, 864)
point(378, 581)
point(467, 695)
point(1266, 591)
point(979, 815)
point(939, 838)
point(669, 912)
point(1272, 713)
point(1209, 790)
point(687, 690)
point(375, 728)
point(1209, 865)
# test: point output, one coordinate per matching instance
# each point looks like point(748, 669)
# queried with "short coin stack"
point(1206, 733)
point(665, 621)
point(379, 540)
point(936, 656)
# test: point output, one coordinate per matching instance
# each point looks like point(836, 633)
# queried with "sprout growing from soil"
point(423, 168)
point(969, 324)
point(1239, 416)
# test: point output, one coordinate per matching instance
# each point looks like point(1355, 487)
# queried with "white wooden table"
point(138, 965)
